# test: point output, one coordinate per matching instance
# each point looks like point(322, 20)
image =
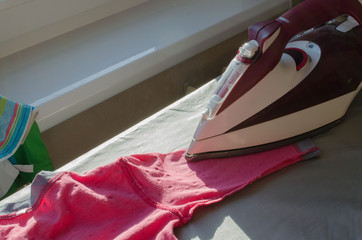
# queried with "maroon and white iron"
point(296, 76)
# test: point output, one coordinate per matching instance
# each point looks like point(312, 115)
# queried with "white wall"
point(24, 23)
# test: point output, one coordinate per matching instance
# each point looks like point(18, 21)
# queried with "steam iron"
point(295, 77)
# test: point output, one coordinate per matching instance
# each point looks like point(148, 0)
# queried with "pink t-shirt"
point(138, 197)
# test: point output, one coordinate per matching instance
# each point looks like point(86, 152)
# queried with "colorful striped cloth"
point(16, 120)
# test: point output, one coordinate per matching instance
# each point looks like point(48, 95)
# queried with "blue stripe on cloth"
point(12, 160)
point(19, 127)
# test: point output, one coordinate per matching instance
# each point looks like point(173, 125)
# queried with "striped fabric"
point(15, 121)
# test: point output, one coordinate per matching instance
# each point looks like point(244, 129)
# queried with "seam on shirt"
point(37, 202)
point(137, 187)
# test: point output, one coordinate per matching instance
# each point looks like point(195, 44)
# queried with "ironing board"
point(315, 199)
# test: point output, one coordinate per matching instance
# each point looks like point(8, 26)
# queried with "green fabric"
point(32, 151)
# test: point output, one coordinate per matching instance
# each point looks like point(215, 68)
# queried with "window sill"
point(77, 70)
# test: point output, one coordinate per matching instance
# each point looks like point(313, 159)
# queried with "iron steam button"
point(249, 49)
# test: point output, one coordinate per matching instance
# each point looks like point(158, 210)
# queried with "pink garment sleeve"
point(138, 197)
